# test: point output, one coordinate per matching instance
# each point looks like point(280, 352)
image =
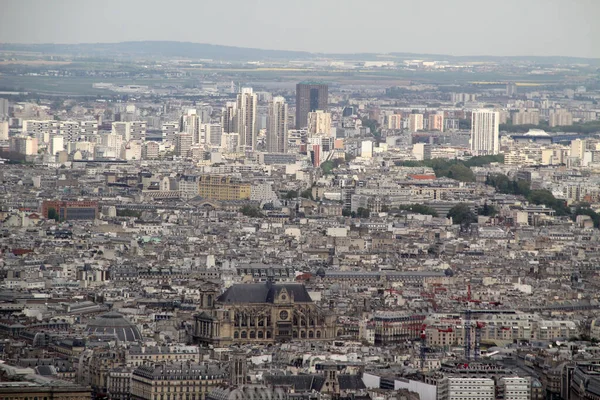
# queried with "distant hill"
point(195, 51)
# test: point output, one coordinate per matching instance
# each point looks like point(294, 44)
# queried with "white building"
point(138, 130)
point(122, 129)
point(422, 151)
point(415, 122)
point(211, 134)
point(262, 191)
point(183, 144)
point(277, 126)
point(169, 130)
point(366, 149)
point(515, 388)
point(450, 388)
point(57, 143)
point(484, 132)
point(246, 119)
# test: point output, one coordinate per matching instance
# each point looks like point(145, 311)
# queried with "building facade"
point(310, 97)
point(218, 187)
point(277, 126)
point(485, 138)
point(263, 313)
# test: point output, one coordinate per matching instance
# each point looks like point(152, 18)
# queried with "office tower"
point(3, 108)
point(436, 122)
point(560, 118)
point(366, 149)
point(3, 130)
point(24, 145)
point(511, 89)
point(230, 142)
point(150, 150)
point(277, 126)
point(169, 130)
point(415, 122)
point(394, 121)
point(228, 117)
point(246, 119)
point(70, 130)
point(211, 134)
point(113, 143)
point(319, 123)
point(138, 130)
point(578, 148)
point(310, 97)
point(122, 129)
point(88, 128)
point(183, 144)
point(484, 132)
point(422, 151)
point(190, 124)
point(57, 143)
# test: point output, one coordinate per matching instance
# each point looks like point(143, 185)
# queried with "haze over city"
point(461, 27)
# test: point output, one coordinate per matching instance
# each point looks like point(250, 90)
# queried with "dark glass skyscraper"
point(310, 96)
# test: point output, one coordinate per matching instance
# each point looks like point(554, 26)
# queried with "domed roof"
point(113, 323)
point(537, 132)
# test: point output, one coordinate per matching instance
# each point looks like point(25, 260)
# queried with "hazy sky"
point(458, 27)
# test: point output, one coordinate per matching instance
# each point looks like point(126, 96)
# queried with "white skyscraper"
point(277, 126)
point(190, 124)
point(415, 122)
point(484, 132)
point(246, 119)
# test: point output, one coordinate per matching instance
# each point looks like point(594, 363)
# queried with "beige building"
point(24, 145)
point(436, 122)
point(394, 121)
point(560, 118)
point(219, 187)
point(526, 117)
point(319, 123)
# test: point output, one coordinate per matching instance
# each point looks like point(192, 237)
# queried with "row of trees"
point(585, 128)
point(504, 184)
point(454, 169)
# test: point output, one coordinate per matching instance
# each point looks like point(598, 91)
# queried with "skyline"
point(553, 28)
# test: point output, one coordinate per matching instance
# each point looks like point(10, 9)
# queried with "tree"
point(250, 211)
point(460, 172)
point(52, 214)
point(346, 212)
point(362, 212)
point(292, 194)
point(488, 210)
point(327, 167)
point(589, 212)
point(462, 214)
point(307, 194)
point(373, 126)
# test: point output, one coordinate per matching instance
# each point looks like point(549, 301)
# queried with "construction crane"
point(478, 327)
point(468, 313)
point(423, 348)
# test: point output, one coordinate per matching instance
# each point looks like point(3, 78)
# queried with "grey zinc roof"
point(263, 293)
point(113, 323)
